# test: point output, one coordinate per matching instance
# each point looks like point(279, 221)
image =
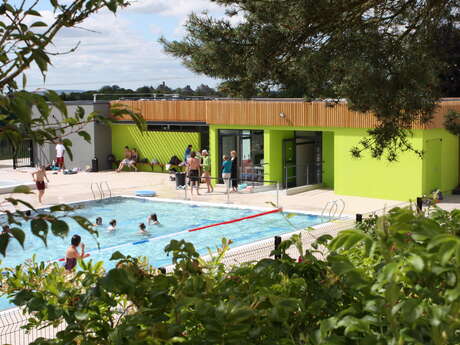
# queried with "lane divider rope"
point(182, 232)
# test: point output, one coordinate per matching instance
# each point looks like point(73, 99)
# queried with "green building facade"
point(296, 156)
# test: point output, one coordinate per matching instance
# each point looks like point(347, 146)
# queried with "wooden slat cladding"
point(267, 113)
point(167, 111)
point(304, 114)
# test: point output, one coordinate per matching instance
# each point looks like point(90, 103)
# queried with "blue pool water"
point(174, 218)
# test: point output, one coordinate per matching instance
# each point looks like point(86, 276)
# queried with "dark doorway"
point(302, 159)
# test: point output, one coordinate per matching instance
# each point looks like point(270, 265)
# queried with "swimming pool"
point(7, 186)
point(174, 217)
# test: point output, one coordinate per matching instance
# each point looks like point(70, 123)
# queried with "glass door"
point(289, 163)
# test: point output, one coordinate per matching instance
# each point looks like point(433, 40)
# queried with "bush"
point(394, 283)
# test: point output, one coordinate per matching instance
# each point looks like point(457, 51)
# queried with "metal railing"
point(306, 170)
point(335, 210)
point(254, 186)
point(100, 189)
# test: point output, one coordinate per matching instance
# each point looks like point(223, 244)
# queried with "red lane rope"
point(236, 220)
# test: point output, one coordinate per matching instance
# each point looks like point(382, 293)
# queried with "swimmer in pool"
point(6, 230)
point(153, 218)
point(72, 254)
point(112, 226)
point(142, 229)
point(98, 221)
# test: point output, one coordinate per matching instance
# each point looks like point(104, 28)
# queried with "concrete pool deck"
point(70, 188)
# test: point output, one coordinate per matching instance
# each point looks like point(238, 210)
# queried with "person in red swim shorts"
point(39, 177)
point(60, 149)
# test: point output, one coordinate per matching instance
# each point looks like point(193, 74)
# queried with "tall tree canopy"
point(378, 55)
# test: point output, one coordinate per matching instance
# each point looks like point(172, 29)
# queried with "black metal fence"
point(16, 157)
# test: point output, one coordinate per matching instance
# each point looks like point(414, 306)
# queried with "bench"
point(151, 165)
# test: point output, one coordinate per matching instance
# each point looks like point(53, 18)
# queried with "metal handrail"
point(102, 189)
point(227, 192)
point(343, 208)
point(101, 193)
point(333, 207)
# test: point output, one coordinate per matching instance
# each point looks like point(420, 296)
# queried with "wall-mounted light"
point(282, 115)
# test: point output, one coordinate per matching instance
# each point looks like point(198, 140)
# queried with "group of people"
point(130, 159)
point(72, 254)
point(198, 167)
point(196, 163)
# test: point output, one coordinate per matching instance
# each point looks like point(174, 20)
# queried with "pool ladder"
point(100, 189)
point(334, 209)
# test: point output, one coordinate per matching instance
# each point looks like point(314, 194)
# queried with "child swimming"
point(153, 218)
point(112, 225)
point(142, 229)
point(98, 221)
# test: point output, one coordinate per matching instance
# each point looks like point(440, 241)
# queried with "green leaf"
point(33, 13)
point(24, 80)
point(4, 239)
point(22, 297)
point(40, 229)
point(22, 190)
point(117, 256)
point(85, 224)
point(417, 262)
point(19, 235)
point(81, 316)
point(340, 264)
point(85, 135)
point(59, 228)
point(38, 24)
point(57, 101)
point(61, 207)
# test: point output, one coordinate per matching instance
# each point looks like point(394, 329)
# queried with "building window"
point(249, 145)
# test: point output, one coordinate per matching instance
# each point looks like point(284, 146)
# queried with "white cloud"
point(114, 55)
point(114, 50)
point(178, 8)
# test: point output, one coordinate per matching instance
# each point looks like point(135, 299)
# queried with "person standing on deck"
point(187, 153)
point(234, 176)
point(206, 166)
point(60, 149)
point(193, 169)
point(39, 177)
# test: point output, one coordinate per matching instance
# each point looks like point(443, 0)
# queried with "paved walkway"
point(70, 188)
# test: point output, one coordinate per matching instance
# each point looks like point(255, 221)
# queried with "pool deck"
point(71, 188)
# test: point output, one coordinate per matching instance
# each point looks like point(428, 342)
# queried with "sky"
point(122, 49)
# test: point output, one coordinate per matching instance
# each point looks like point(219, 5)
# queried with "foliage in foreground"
point(393, 280)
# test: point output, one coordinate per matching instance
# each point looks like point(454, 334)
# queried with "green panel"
point(159, 145)
point(328, 159)
point(369, 177)
point(273, 155)
point(214, 151)
point(432, 166)
point(440, 161)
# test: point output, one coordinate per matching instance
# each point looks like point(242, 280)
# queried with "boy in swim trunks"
point(39, 177)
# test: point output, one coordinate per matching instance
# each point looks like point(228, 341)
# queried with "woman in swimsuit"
point(72, 254)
